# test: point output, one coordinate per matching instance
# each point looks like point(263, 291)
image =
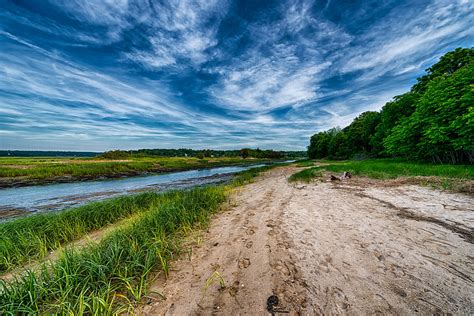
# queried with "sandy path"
point(328, 248)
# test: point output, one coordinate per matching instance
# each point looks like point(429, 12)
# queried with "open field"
point(27, 171)
point(454, 177)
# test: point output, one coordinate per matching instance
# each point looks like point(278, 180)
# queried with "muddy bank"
point(326, 248)
point(15, 182)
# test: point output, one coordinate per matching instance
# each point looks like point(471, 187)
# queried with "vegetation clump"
point(33, 237)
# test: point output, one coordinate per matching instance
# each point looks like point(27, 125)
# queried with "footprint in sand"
point(281, 267)
point(250, 231)
point(244, 263)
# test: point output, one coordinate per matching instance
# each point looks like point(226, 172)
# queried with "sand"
point(350, 247)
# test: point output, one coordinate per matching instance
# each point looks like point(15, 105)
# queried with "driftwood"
point(346, 175)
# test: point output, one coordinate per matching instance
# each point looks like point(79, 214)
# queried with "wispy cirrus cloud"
point(97, 75)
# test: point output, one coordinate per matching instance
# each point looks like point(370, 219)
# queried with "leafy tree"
point(434, 121)
point(392, 112)
point(245, 152)
point(442, 127)
point(447, 65)
point(339, 146)
point(114, 154)
point(360, 132)
point(319, 143)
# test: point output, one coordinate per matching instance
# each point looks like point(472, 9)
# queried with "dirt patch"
point(325, 248)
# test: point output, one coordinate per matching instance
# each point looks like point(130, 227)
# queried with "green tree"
point(392, 112)
point(447, 65)
point(339, 146)
point(434, 121)
point(360, 132)
point(245, 152)
point(319, 143)
point(442, 126)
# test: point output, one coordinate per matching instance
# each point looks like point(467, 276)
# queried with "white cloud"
point(390, 45)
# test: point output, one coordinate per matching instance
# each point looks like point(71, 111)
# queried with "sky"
point(95, 75)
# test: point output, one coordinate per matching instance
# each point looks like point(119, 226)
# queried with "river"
point(21, 201)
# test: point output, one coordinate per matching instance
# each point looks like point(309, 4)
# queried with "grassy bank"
point(33, 237)
point(112, 275)
point(37, 170)
point(391, 169)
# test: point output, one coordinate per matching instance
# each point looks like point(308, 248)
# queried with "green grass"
point(33, 237)
point(113, 275)
point(247, 176)
point(305, 163)
point(390, 169)
point(306, 175)
point(50, 168)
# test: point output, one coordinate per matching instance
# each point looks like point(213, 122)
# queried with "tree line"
point(205, 153)
point(434, 121)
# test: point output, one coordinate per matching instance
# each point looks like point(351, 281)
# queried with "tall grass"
point(306, 175)
point(35, 236)
point(247, 176)
point(113, 275)
point(393, 168)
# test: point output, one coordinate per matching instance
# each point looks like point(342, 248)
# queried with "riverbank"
point(57, 197)
point(109, 273)
point(17, 172)
point(342, 247)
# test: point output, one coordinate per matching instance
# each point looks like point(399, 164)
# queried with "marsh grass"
point(113, 275)
point(33, 237)
point(394, 168)
point(48, 168)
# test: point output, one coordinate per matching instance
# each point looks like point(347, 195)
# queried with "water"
point(24, 200)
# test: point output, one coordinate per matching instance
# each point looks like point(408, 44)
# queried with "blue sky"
point(107, 74)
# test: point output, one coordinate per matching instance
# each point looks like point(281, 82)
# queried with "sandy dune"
point(329, 248)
